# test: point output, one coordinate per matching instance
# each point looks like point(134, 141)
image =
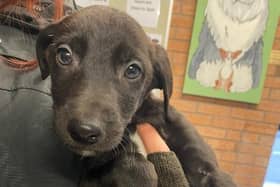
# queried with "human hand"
point(152, 141)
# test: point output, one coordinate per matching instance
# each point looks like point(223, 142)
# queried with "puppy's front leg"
point(133, 170)
point(195, 155)
point(129, 169)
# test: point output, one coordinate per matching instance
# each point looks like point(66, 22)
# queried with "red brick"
point(271, 70)
point(266, 140)
point(250, 137)
point(257, 181)
point(247, 114)
point(211, 132)
point(183, 34)
point(183, 105)
point(170, 55)
point(276, 44)
point(172, 33)
point(245, 158)
point(270, 106)
point(244, 170)
point(253, 149)
point(278, 32)
point(181, 21)
point(262, 128)
point(199, 119)
point(178, 45)
point(275, 94)
point(233, 135)
point(191, 2)
point(222, 144)
point(177, 7)
point(242, 181)
point(228, 123)
point(177, 94)
point(178, 69)
point(180, 58)
point(227, 166)
point(198, 98)
point(249, 181)
point(272, 118)
point(189, 8)
point(272, 82)
point(178, 82)
point(261, 161)
point(266, 93)
point(226, 156)
point(214, 109)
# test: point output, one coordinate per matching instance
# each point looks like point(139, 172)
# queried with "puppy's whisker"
point(114, 152)
point(123, 147)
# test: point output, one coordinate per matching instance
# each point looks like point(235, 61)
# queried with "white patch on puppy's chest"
point(137, 140)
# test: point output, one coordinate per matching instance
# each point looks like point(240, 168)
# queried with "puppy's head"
point(102, 66)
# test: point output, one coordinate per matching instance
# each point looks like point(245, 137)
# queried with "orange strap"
point(18, 64)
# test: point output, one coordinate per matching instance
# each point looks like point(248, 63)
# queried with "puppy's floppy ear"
point(162, 77)
point(44, 39)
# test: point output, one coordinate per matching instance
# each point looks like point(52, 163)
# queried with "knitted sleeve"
point(169, 169)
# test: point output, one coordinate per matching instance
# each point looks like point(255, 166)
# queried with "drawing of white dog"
point(229, 55)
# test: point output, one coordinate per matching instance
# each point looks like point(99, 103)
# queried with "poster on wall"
point(153, 15)
point(230, 48)
point(146, 12)
point(85, 3)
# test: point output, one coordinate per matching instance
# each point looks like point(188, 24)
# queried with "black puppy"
point(103, 67)
point(197, 158)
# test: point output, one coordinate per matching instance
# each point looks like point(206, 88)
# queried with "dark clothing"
point(30, 152)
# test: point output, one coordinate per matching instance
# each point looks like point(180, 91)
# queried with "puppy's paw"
point(134, 170)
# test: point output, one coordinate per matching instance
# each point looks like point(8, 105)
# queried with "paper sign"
point(146, 12)
point(85, 3)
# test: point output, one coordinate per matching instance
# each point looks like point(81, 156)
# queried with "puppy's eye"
point(133, 71)
point(64, 55)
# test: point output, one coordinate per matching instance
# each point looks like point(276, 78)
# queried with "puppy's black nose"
point(83, 133)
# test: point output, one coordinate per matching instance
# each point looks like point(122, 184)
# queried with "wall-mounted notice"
point(146, 12)
point(84, 3)
point(153, 15)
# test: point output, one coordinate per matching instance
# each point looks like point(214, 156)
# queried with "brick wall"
point(241, 134)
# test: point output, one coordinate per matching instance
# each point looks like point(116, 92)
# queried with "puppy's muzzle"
point(83, 133)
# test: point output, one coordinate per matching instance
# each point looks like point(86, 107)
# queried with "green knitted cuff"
point(169, 169)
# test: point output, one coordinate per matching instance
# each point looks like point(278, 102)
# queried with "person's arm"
point(167, 166)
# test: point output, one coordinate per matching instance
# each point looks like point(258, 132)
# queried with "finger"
point(151, 139)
